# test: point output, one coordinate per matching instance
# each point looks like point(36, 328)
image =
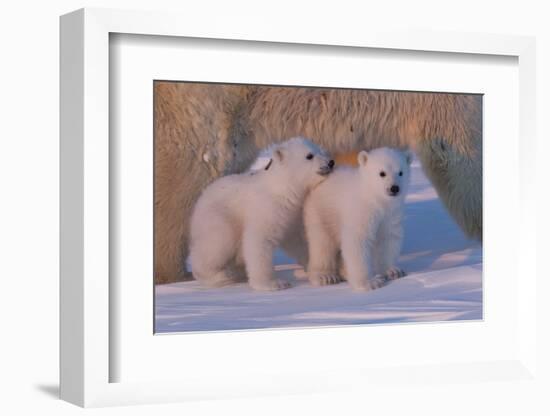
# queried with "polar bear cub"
point(240, 219)
point(355, 217)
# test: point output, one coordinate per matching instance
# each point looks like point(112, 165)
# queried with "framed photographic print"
point(282, 212)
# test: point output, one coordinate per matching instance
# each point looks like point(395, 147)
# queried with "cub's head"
point(297, 160)
point(386, 171)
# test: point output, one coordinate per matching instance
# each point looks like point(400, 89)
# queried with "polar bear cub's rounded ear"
point(262, 162)
point(362, 158)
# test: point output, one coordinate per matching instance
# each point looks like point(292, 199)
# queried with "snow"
point(443, 282)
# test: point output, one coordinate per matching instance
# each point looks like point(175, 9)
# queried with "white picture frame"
point(85, 168)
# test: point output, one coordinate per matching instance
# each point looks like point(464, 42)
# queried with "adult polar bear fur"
point(240, 219)
point(204, 131)
point(357, 213)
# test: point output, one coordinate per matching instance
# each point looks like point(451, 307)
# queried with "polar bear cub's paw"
point(395, 273)
point(271, 284)
point(323, 279)
point(373, 283)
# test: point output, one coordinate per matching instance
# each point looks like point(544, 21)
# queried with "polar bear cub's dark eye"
point(400, 173)
point(309, 156)
point(382, 174)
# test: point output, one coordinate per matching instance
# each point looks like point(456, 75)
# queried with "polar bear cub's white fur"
point(239, 220)
point(357, 212)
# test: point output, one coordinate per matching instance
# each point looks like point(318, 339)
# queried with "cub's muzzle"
point(326, 169)
point(394, 190)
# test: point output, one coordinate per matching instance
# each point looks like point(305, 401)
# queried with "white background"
point(29, 207)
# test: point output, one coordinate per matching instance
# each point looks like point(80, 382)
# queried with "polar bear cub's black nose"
point(331, 163)
point(394, 189)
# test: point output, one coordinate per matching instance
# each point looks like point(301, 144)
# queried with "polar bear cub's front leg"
point(357, 253)
point(258, 258)
point(389, 241)
point(322, 268)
